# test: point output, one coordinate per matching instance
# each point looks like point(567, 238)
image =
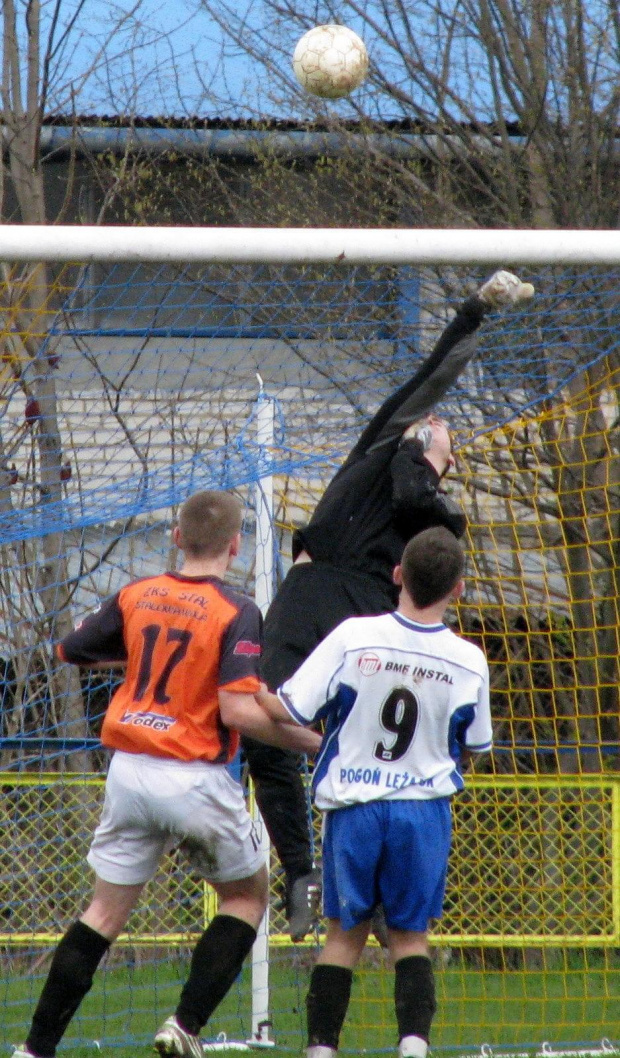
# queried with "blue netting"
point(162, 379)
point(157, 373)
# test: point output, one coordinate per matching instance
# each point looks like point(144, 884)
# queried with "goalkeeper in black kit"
point(387, 490)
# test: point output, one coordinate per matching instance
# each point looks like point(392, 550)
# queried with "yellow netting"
point(535, 862)
point(141, 385)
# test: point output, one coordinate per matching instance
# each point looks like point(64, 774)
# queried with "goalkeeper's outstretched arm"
point(352, 506)
point(449, 358)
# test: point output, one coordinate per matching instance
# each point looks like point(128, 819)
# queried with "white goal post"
point(396, 246)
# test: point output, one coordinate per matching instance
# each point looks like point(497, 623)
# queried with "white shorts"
point(153, 805)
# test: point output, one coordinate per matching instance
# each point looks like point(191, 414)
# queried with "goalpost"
point(138, 365)
point(398, 246)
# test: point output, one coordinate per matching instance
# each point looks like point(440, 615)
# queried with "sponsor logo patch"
point(156, 721)
point(245, 646)
point(368, 664)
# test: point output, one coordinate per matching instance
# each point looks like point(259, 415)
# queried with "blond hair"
point(208, 522)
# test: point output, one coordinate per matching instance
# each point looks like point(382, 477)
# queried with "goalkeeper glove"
point(504, 288)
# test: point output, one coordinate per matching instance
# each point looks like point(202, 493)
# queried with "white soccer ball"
point(330, 61)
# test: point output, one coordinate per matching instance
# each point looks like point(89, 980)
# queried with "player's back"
point(185, 637)
point(404, 701)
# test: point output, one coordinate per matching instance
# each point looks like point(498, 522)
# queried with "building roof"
point(244, 140)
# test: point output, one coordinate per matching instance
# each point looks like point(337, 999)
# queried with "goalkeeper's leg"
point(281, 798)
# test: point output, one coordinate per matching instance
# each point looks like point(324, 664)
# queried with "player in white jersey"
point(404, 701)
point(401, 698)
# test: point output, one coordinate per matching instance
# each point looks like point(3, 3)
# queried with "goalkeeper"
point(387, 490)
point(397, 733)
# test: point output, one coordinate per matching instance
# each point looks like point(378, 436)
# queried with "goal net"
point(128, 383)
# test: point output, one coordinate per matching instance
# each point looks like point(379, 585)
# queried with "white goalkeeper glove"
point(504, 288)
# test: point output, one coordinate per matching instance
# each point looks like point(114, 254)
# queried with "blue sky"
point(155, 53)
point(161, 57)
point(168, 57)
point(172, 58)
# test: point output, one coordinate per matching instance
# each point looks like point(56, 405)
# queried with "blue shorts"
point(393, 853)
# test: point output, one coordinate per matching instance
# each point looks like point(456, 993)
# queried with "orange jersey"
point(183, 639)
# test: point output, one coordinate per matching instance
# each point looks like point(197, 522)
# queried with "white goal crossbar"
point(88, 243)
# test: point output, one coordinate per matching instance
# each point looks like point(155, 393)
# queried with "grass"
point(576, 1002)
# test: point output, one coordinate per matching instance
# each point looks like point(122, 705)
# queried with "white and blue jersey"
point(400, 702)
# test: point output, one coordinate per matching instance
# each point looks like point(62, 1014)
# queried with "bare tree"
point(486, 113)
point(513, 107)
point(51, 53)
point(474, 114)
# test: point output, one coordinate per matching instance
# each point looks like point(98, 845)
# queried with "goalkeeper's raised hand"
point(504, 288)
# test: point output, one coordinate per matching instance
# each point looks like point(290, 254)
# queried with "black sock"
point(70, 977)
point(414, 996)
point(216, 962)
point(326, 1004)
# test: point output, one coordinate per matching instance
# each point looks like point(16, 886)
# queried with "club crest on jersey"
point(368, 664)
point(246, 646)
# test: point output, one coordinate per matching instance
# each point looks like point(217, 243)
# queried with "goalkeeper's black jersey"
point(386, 491)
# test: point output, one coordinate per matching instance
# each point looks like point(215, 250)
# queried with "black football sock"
point(327, 1003)
point(70, 977)
point(414, 996)
point(216, 962)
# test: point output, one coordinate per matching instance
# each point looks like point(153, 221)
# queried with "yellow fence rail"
point(535, 863)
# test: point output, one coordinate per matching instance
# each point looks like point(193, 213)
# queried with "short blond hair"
point(208, 522)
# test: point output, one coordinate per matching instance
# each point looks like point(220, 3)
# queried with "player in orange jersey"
point(191, 645)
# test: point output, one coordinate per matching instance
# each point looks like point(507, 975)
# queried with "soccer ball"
point(330, 61)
